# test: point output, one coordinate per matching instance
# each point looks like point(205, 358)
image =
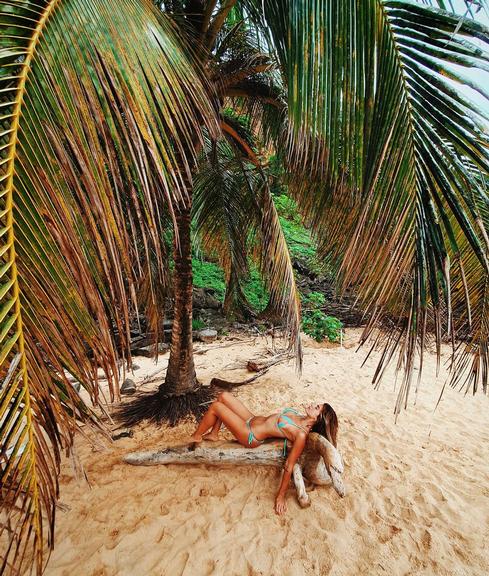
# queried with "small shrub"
point(320, 327)
point(197, 324)
point(313, 300)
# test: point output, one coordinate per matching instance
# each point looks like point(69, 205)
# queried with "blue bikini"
point(251, 437)
point(288, 420)
point(280, 424)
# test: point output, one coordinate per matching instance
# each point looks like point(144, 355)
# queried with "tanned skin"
point(231, 412)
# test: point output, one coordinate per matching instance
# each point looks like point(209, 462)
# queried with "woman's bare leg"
point(236, 406)
point(234, 423)
point(213, 435)
point(209, 420)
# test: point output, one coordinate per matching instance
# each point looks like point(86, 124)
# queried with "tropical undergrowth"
point(316, 322)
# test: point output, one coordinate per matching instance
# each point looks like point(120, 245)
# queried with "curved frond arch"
point(100, 113)
point(382, 134)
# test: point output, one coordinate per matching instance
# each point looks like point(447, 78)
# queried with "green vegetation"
point(316, 323)
point(255, 291)
point(209, 275)
point(313, 300)
point(197, 324)
point(320, 327)
point(298, 238)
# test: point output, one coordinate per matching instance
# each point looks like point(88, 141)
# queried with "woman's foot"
point(196, 437)
point(211, 437)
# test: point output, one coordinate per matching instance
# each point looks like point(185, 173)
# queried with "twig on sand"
point(257, 365)
point(149, 378)
point(252, 365)
point(219, 383)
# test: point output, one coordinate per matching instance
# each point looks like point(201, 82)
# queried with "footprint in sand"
point(387, 532)
point(426, 540)
point(327, 523)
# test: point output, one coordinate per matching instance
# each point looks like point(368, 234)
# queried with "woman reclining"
point(252, 431)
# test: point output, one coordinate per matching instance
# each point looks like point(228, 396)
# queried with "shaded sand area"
point(417, 491)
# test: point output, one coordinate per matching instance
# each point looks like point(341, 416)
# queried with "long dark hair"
point(327, 424)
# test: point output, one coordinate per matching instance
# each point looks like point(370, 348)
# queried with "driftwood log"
point(320, 463)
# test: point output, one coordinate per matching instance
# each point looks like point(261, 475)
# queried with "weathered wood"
point(302, 495)
point(320, 462)
point(215, 453)
point(227, 385)
point(258, 365)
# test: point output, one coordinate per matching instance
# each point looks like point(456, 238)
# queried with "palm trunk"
point(180, 376)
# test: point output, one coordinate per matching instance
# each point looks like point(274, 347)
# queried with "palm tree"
point(242, 79)
point(102, 133)
point(379, 132)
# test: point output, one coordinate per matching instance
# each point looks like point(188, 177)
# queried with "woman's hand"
point(280, 504)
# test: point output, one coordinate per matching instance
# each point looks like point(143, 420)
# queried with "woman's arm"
point(297, 448)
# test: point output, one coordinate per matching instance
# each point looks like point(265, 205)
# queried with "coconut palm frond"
point(277, 272)
point(464, 9)
point(236, 219)
point(216, 20)
point(224, 212)
point(263, 102)
point(247, 79)
point(470, 297)
point(237, 130)
point(382, 134)
point(92, 123)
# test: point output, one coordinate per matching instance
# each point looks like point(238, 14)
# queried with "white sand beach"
point(417, 499)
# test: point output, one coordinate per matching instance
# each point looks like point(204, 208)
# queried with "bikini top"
point(283, 421)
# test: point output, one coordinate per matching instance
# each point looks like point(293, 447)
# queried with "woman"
point(252, 430)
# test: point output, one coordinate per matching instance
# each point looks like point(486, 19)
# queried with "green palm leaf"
point(382, 134)
point(225, 214)
point(99, 105)
point(236, 218)
point(467, 9)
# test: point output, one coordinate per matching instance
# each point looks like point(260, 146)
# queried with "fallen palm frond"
point(97, 99)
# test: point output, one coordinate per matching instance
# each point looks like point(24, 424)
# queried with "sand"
point(417, 490)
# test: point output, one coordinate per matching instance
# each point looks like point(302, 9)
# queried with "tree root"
point(172, 408)
point(160, 407)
